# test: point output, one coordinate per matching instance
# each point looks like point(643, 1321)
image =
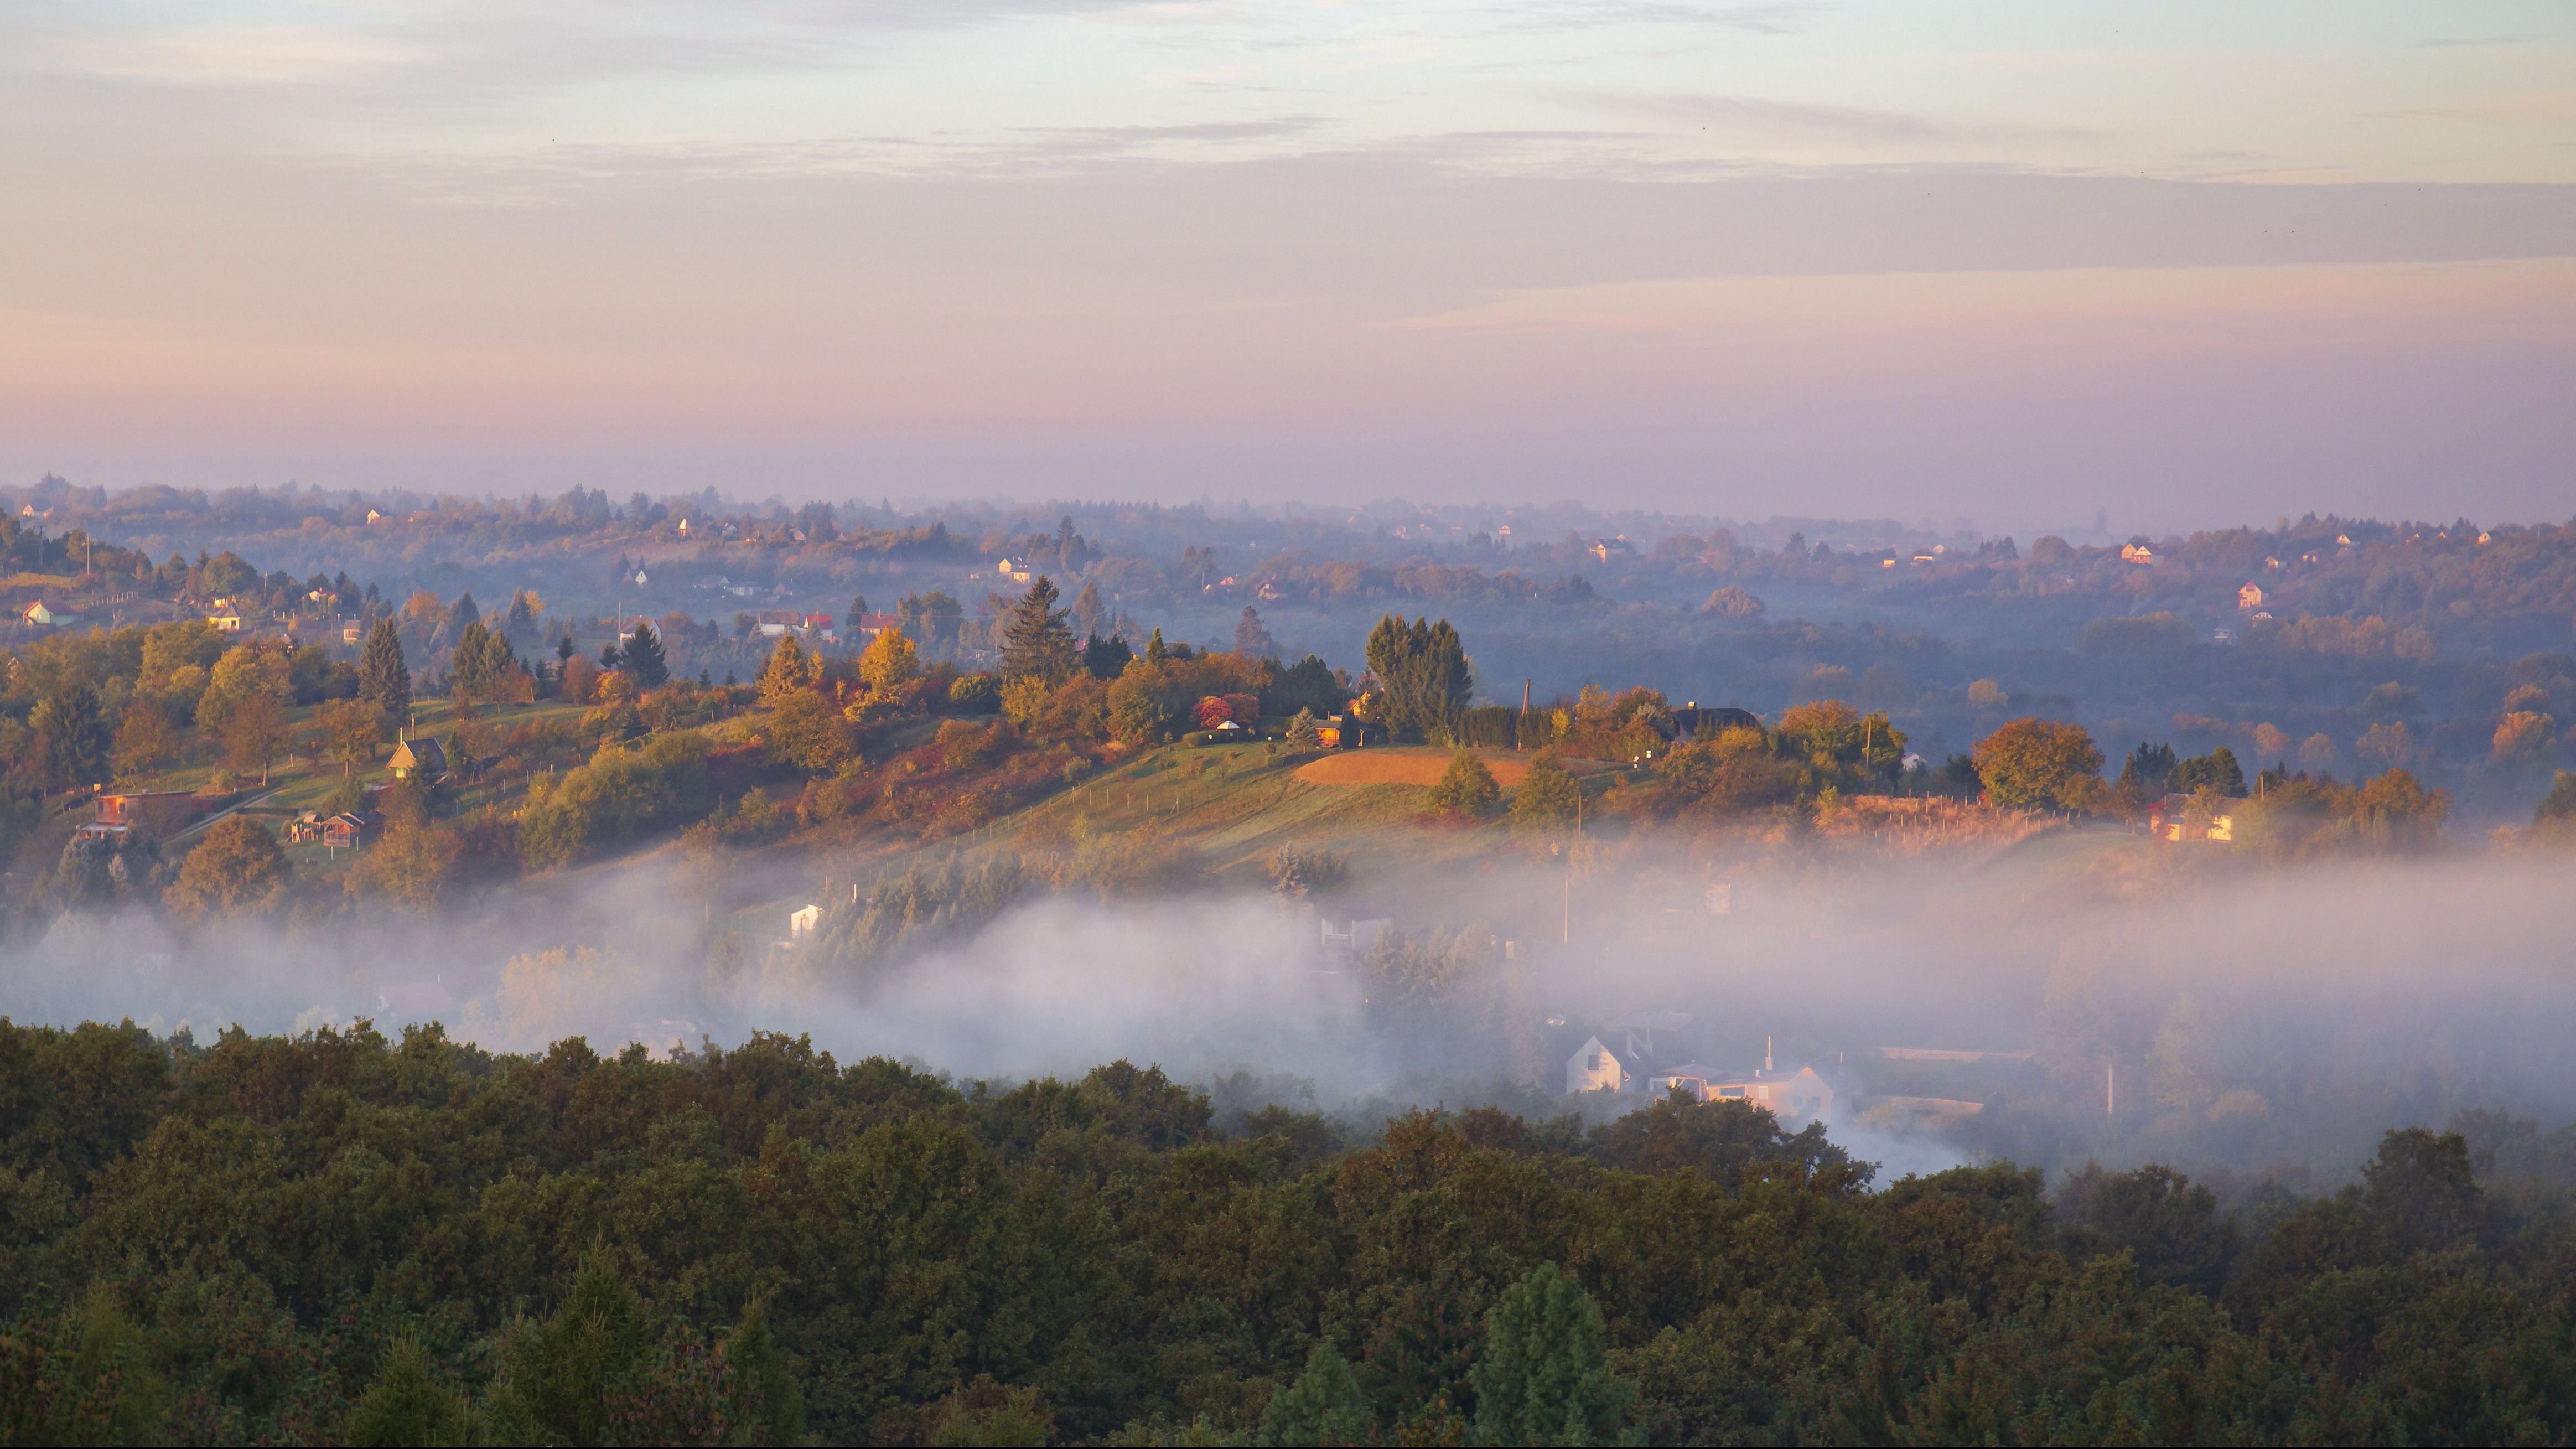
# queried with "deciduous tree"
point(238, 869)
point(2043, 763)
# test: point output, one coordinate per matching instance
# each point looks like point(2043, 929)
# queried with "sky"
point(2191, 264)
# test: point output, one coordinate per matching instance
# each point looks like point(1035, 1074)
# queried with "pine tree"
point(790, 669)
point(1543, 1377)
point(562, 1379)
point(409, 1402)
point(463, 611)
point(1324, 1406)
point(75, 736)
point(1037, 641)
point(1547, 796)
point(1466, 787)
point(1252, 638)
point(467, 671)
point(1422, 668)
point(1157, 653)
point(858, 611)
point(1304, 733)
point(521, 622)
point(644, 659)
point(384, 678)
point(1089, 614)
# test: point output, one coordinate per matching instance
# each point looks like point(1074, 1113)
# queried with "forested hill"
point(342, 1237)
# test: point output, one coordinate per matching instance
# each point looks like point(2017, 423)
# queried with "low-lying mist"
point(2264, 1023)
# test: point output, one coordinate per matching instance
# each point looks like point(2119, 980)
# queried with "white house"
point(1799, 1096)
point(803, 923)
point(1594, 1067)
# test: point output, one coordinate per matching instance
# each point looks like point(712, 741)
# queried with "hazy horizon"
point(2191, 265)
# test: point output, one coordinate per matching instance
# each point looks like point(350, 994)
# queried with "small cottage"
point(426, 758)
point(1594, 1067)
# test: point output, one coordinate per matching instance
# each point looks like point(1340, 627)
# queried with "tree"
point(858, 612)
point(1423, 671)
point(1105, 658)
point(74, 736)
point(807, 732)
point(146, 740)
point(2039, 763)
point(791, 669)
point(384, 678)
point(237, 870)
point(465, 674)
point(1138, 709)
point(889, 663)
point(409, 865)
point(932, 619)
point(563, 1379)
point(351, 731)
point(1157, 653)
point(1251, 639)
point(1036, 640)
point(1548, 797)
point(519, 625)
point(1466, 787)
point(645, 660)
point(1304, 733)
point(1323, 1406)
point(1544, 1375)
point(253, 734)
point(2555, 815)
point(245, 672)
point(1089, 614)
point(1731, 602)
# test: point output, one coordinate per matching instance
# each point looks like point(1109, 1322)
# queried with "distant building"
point(352, 828)
point(2137, 553)
point(804, 922)
point(2170, 819)
point(870, 626)
point(1594, 1067)
point(2250, 597)
point(45, 616)
point(227, 620)
point(1017, 570)
point(1799, 1096)
point(427, 758)
point(157, 811)
point(1354, 939)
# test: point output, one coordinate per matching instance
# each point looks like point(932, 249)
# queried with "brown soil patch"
point(1382, 766)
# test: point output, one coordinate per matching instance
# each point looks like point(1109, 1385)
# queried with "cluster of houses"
point(1640, 1057)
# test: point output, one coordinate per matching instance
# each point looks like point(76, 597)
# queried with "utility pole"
point(2110, 1090)
point(1569, 902)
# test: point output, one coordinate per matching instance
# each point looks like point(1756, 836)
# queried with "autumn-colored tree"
point(254, 732)
point(2039, 763)
point(146, 740)
point(805, 731)
point(791, 669)
point(408, 867)
point(351, 730)
point(73, 732)
point(889, 663)
point(238, 869)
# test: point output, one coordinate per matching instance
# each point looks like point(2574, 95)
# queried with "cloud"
point(270, 55)
point(1778, 19)
point(1770, 120)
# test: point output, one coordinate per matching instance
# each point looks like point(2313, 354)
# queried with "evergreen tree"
point(1422, 669)
point(562, 1379)
point(1252, 638)
point(466, 673)
point(384, 678)
point(1303, 733)
point(645, 660)
point(1543, 1377)
point(1157, 653)
point(1324, 1405)
point(463, 612)
point(75, 735)
point(408, 1403)
point(1466, 787)
point(564, 650)
point(791, 668)
point(858, 611)
point(1547, 798)
point(1089, 614)
point(1105, 658)
point(1036, 641)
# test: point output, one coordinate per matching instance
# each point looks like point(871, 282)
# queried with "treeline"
point(342, 1237)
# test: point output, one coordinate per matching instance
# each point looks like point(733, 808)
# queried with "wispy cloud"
point(1751, 116)
point(2451, 42)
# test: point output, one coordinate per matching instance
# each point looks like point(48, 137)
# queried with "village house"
point(2250, 597)
point(871, 625)
point(1594, 1067)
point(427, 758)
point(2170, 819)
point(45, 616)
point(1015, 569)
point(352, 828)
point(2137, 553)
point(1799, 1096)
point(804, 921)
point(1354, 939)
point(158, 812)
